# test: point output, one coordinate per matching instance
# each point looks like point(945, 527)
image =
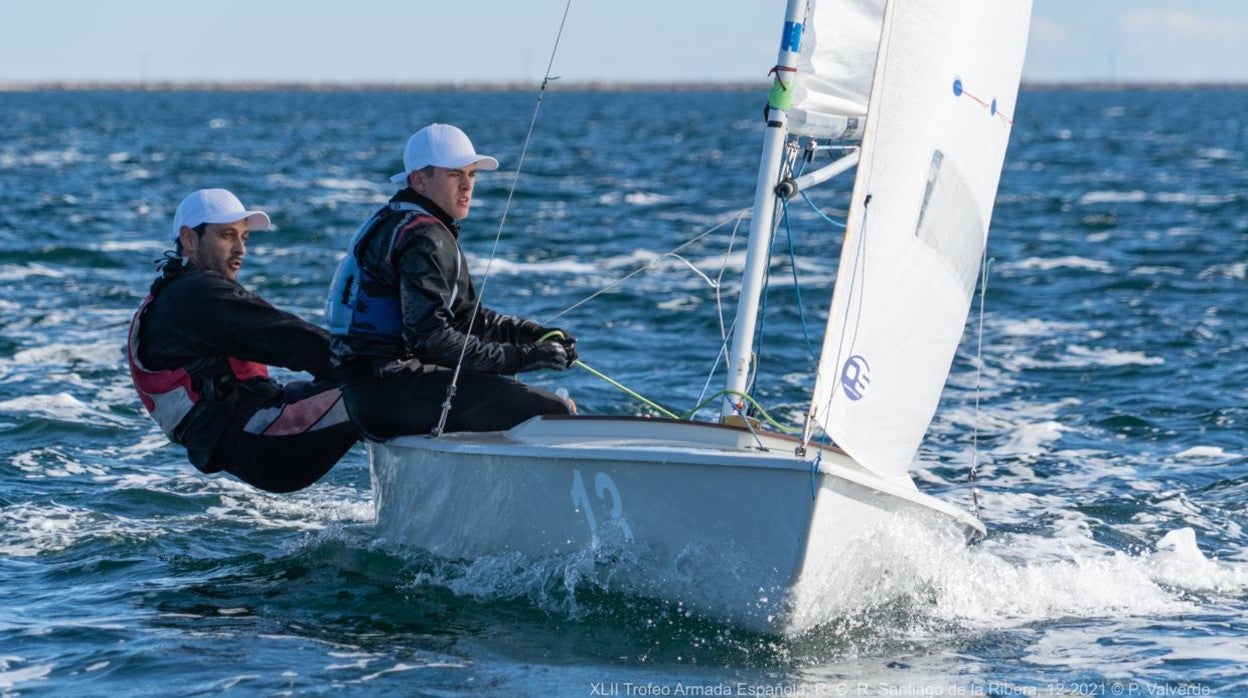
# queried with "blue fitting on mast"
point(791, 37)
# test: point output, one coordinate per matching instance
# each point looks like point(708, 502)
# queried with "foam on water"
point(558, 266)
point(1113, 197)
point(136, 481)
point(1180, 562)
point(1004, 582)
point(16, 677)
point(1016, 579)
point(32, 529)
point(347, 184)
point(1112, 357)
point(349, 197)
point(22, 272)
point(152, 246)
point(1031, 439)
point(1156, 271)
point(551, 584)
point(55, 159)
point(1035, 327)
point(104, 352)
point(1079, 356)
point(1234, 270)
point(679, 304)
point(1022, 427)
point(636, 198)
point(61, 407)
point(310, 510)
point(50, 462)
point(1218, 154)
point(1206, 452)
point(1068, 262)
point(1189, 199)
point(990, 585)
point(146, 441)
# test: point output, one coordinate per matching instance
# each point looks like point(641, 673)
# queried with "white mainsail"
point(834, 68)
point(939, 117)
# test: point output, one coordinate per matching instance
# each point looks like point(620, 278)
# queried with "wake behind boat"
point(735, 523)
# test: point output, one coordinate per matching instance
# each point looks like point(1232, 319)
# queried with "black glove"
point(560, 335)
point(528, 332)
point(569, 343)
point(544, 355)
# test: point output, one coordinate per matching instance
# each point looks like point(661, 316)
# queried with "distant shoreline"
point(521, 86)
point(293, 86)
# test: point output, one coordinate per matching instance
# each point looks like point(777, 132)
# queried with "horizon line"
point(523, 85)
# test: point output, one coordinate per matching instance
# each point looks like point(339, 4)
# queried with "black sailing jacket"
point(416, 259)
point(197, 320)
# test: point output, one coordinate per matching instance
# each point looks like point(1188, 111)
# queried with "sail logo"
point(855, 377)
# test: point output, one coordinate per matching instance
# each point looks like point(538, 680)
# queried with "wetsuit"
point(199, 350)
point(399, 315)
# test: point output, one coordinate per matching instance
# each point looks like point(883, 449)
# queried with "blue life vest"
point(350, 306)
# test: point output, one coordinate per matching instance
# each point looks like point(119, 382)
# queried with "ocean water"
point(1111, 423)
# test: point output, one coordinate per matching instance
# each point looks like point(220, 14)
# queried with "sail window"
point(949, 221)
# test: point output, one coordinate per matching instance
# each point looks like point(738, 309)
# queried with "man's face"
point(451, 190)
point(221, 248)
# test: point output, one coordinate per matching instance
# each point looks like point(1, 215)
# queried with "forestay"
point(940, 111)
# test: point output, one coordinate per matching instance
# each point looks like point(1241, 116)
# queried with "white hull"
point(695, 514)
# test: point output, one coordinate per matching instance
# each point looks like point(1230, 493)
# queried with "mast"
point(757, 251)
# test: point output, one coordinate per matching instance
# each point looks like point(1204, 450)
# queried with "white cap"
point(441, 145)
point(214, 206)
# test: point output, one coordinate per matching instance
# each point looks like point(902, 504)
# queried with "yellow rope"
point(665, 411)
point(747, 398)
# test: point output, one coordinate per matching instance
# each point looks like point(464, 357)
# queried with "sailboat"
point(730, 521)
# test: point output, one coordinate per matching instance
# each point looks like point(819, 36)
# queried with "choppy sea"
point(1112, 432)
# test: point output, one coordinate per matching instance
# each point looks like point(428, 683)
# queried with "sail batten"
point(938, 119)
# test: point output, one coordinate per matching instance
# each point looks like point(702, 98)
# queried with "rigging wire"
point(717, 285)
point(823, 215)
point(459, 363)
point(797, 285)
point(859, 264)
point(719, 312)
point(709, 281)
point(979, 371)
point(653, 264)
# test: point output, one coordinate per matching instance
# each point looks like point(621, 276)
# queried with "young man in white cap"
point(401, 301)
point(199, 350)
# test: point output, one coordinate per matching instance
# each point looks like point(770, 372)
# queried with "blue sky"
point(505, 40)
